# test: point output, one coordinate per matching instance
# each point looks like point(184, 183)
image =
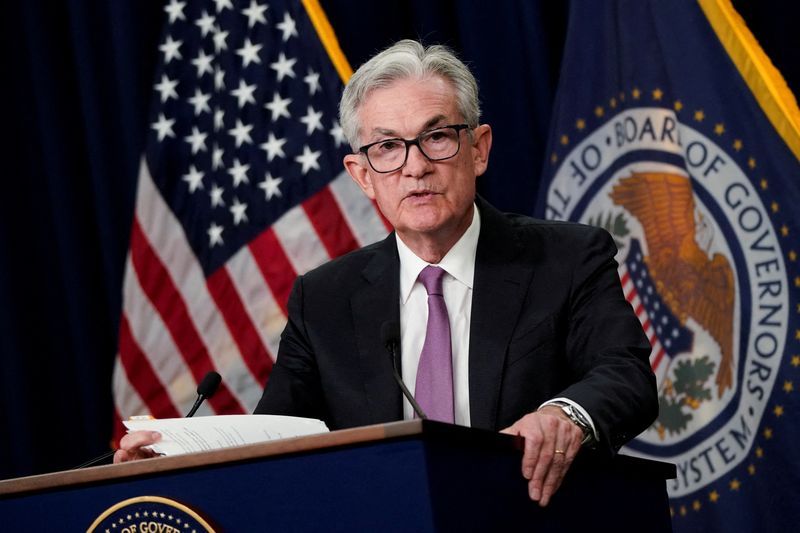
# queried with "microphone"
point(206, 389)
point(390, 335)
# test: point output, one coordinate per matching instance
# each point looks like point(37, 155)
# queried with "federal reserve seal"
point(701, 264)
point(149, 514)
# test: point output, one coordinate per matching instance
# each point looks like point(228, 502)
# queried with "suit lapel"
point(376, 302)
point(498, 294)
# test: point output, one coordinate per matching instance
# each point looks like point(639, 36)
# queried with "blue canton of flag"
point(246, 121)
point(241, 188)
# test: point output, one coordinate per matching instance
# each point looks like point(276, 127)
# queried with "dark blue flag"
point(674, 132)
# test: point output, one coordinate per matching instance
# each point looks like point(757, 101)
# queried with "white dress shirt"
point(459, 265)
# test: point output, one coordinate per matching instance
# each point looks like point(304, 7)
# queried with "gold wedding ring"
point(560, 451)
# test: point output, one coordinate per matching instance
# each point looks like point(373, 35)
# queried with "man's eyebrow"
point(434, 121)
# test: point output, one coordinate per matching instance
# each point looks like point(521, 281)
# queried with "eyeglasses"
point(436, 144)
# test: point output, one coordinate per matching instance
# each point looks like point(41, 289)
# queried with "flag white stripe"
point(126, 399)
point(300, 241)
point(258, 300)
point(360, 213)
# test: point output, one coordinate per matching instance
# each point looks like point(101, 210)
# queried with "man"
point(506, 323)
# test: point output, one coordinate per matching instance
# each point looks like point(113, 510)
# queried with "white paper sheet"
point(186, 435)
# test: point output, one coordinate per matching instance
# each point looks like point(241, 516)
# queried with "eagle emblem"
point(692, 283)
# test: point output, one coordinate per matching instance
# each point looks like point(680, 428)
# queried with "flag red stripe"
point(625, 278)
point(329, 223)
point(657, 360)
point(168, 301)
point(244, 332)
point(143, 377)
point(275, 266)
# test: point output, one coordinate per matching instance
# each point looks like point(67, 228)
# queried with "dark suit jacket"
point(548, 319)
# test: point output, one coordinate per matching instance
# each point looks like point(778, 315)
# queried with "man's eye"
point(388, 146)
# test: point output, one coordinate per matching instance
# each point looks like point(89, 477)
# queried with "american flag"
point(240, 189)
point(666, 333)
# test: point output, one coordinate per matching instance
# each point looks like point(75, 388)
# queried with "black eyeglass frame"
point(415, 142)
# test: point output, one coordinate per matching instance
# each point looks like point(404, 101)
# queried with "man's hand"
point(131, 446)
point(551, 442)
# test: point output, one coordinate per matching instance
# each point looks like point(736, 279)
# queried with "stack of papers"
point(187, 435)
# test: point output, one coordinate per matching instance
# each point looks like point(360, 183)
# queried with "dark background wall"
point(77, 79)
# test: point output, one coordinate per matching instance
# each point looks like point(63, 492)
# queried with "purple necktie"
point(434, 388)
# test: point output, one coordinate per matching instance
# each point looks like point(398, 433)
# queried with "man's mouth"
point(420, 194)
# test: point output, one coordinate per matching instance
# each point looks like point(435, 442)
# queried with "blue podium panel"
point(409, 476)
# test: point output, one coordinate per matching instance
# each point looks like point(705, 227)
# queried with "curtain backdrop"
point(78, 78)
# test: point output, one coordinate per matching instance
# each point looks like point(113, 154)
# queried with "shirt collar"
point(459, 262)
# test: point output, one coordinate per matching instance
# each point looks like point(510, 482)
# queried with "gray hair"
point(407, 59)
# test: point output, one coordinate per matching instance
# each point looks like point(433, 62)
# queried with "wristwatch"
point(578, 419)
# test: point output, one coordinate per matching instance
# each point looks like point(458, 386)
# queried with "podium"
point(414, 475)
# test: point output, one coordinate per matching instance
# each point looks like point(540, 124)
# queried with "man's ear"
point(481, 146)
point(355, 165)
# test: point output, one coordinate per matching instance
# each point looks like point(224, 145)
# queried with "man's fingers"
point(137, 439)
point(530, 457)
point(569, 442)
point(132, 446)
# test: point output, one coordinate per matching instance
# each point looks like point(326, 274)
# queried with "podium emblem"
point(149, 514)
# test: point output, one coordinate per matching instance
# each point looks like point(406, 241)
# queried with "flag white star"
point(219, 116)
point(244, 94)
point(219, 78)
point(194, 178)
point(203, 63)
point(200, 102)
point(238, 211)
point(216, 196)
point(249, 52)
point(288, 27)
point(255, 13)
point(219, 39)
point(216, 157)
point(222, 4)
point(197, 140)
point(205, 23)
point(163, 127)
point(312, 80)
point(283, 67)
point(308, 159)
point(279, 107)
point(171, 49)
point(175, 11)
point(241, 133)
point(239, 172)
point(337, 133)
point(273, 147)
point(214, 235)
point(312, 120)
point(167, 88)
point(270, 186)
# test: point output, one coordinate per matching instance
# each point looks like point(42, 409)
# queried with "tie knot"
point(431, 278)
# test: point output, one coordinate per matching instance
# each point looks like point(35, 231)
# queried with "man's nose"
point(416, 162)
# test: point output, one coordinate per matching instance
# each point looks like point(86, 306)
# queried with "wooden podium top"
point(347, 437)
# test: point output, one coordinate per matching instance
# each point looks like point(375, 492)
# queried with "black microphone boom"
point(206, 389)
point(390, 335)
